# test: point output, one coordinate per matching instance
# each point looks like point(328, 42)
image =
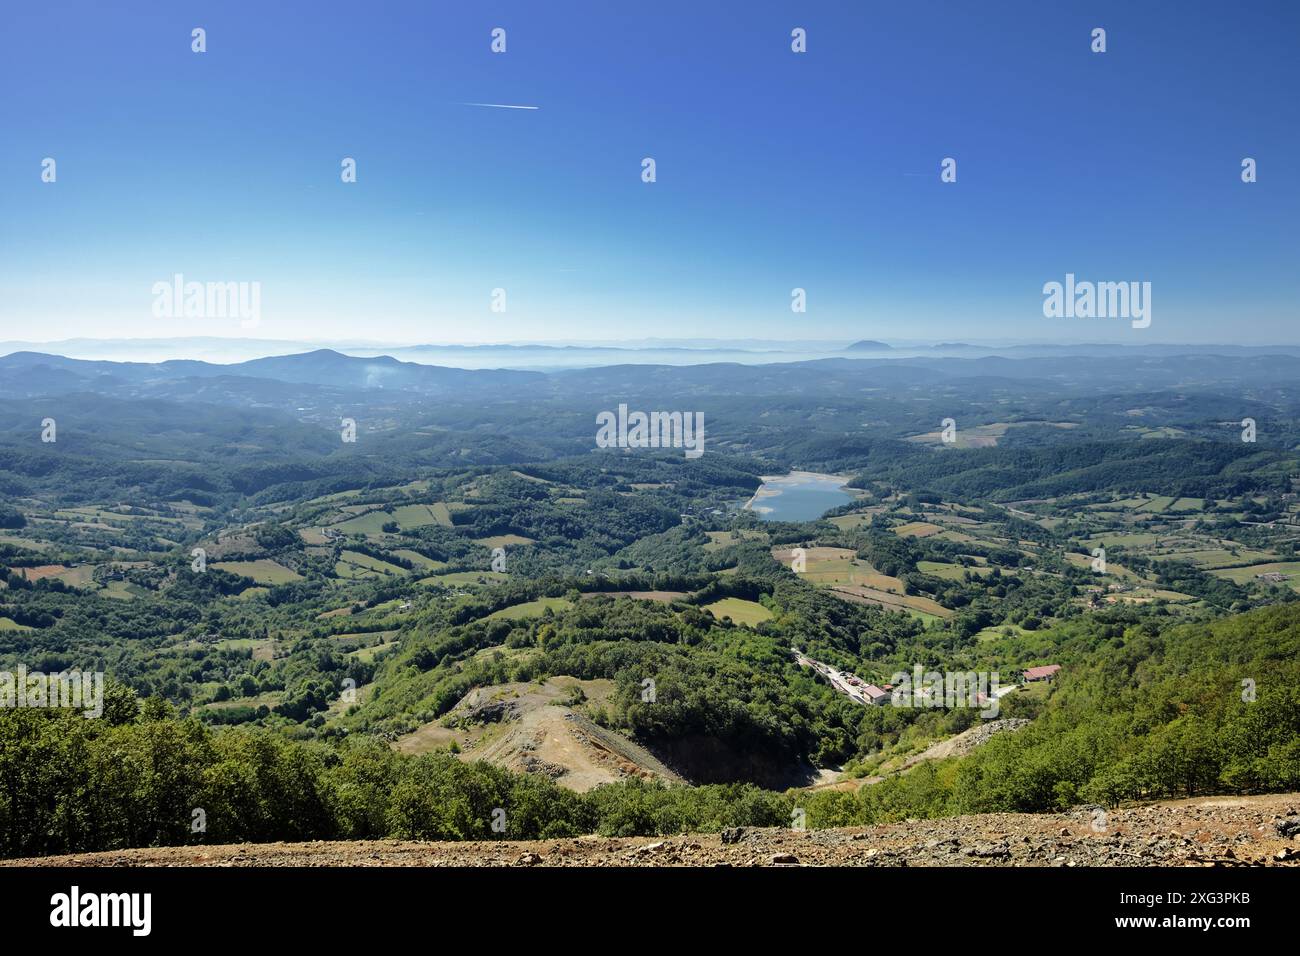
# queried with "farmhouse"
point(872, 694)
point(1044, 672)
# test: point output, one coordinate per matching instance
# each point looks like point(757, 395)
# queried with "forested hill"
point(1142, 714)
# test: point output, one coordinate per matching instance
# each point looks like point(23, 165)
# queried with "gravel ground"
point(1219, 831)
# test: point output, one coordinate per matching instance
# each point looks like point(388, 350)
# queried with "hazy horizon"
point(775, 171)
point(556, 354)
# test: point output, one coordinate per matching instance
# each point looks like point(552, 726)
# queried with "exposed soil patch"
point(532, 728)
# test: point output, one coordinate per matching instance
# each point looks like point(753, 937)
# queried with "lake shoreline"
point(774, 486)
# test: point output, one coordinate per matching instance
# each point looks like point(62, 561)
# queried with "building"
point(1043, 672)
point(874, 695)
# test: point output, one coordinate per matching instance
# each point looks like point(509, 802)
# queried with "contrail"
point(503, 106)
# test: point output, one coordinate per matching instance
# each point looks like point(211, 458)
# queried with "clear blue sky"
point(775, 170)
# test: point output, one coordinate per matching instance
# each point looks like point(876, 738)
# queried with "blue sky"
point(775, 170)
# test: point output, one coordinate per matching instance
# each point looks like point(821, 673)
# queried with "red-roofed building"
point(1043, 672)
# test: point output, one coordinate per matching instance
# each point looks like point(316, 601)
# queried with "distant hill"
point(325, 378)
point(27, 374)
point(868, 345)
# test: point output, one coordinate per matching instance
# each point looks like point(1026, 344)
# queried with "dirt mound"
point(567, 747)
point(532, 728)
point(1224, 832)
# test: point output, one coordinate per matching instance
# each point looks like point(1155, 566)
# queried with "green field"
point(262, 649)
point(465, 577)
point(1222, 558)
point(355, 564)
point(238, 643)
point(406, 516)
point(850, 521)
point(740, 611)
point(822, 566)
point(123, 591)
point(419, 560)
point(365, 645)
point(725, 539)
point(504, 541)
point(387, 607)
point(948, 572)
point(270, 699)
point(263, 571)
point(1245, 575)
point(108, 517)
point(1114, 572)
point(996, 633)
point(1155, 505)
point(1124, 539)
point(368, 654)
point(536, 608)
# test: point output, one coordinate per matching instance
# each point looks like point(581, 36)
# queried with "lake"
point(798, 496)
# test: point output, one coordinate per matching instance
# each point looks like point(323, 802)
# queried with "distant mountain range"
point(30, 374)
point(557, 355)
point(328, 377)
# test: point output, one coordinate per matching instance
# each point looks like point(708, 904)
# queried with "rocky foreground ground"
point(1220, 831)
